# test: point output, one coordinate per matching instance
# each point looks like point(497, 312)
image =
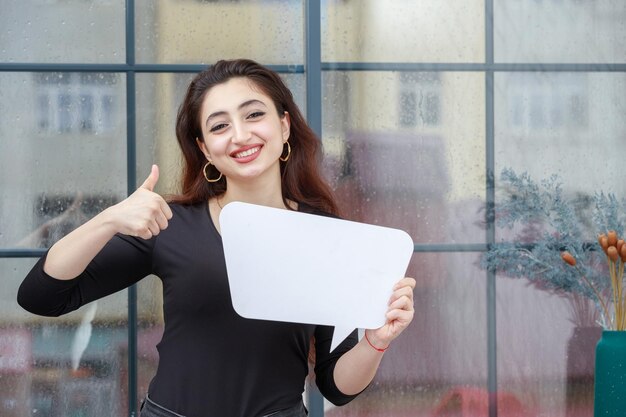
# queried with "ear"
point(285, 121)
point(203, 148)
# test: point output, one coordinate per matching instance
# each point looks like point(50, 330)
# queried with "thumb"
point(152, 179)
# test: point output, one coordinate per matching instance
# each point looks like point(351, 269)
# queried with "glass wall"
point(423, 106)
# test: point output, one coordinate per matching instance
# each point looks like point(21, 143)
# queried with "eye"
point(217, 127)
point(255, 115)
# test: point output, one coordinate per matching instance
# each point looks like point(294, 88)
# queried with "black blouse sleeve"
point(325, 362)
point(122, 262)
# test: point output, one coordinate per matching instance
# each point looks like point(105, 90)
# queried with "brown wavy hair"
point(302, 181)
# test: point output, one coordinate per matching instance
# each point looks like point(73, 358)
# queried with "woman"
point(243, 139)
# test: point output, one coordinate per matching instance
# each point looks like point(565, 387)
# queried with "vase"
point(581, 359)
point(610, 375)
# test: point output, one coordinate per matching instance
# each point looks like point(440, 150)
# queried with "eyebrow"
point(241, 106)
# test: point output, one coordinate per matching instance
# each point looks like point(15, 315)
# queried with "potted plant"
point(610, 370)
point(548, 228)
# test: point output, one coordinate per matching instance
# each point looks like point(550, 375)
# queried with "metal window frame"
point(313, 69)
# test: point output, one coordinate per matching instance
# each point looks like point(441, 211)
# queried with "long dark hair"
point(302, 181)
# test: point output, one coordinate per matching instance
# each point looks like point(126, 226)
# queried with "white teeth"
point(246, 153)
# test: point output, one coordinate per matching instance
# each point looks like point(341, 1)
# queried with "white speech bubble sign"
point(302, 268)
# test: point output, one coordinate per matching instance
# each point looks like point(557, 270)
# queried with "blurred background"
point(419, 105)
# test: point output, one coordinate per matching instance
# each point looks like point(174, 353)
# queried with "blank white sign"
point(302, 268)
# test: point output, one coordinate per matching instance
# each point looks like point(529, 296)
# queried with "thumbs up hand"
point(152, 179)
point(144, 213)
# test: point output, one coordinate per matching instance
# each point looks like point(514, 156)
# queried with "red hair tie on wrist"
point(377, 348)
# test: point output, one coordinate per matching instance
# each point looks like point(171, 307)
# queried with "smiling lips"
point(246, 154)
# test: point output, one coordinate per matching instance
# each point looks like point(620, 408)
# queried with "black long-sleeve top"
point(212, 362)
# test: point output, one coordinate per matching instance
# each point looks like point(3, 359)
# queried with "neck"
point(264, 193)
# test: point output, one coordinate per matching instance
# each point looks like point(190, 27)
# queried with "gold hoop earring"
point(206, 177)
point(288, 153)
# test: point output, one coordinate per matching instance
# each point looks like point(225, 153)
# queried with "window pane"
point(48, 367)
point(63, 153)
point(416, 164)
point(548, 364)
point(442, 357)
point(569, 124)
point(560, 31)
point(544, 359)
point(206, 31)
point(62, 31)
point(403, 31)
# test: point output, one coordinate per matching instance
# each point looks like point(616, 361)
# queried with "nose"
point(241, 133)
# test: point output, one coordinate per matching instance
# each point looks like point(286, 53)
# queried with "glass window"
point(546, 364)
point(57, 118)
point(86, 113)
point(84, 102)
point(560, 31)
point(567, 124)
point(425, 177)
point(420, 96)
point(75, 365)
point(441, 356)
point(407, 144)
point(403, 31)
point(549, 364)
point(58, 31)
point(206, 31)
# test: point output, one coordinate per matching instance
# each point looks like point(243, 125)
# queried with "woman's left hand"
point(399, 314)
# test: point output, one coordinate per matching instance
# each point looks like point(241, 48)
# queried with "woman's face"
point(243, 135)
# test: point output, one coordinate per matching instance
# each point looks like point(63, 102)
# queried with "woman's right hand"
point(144, 213)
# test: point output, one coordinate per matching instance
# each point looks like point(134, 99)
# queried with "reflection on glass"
point(63, 156)
point(560, 31)
point(568, 124)
point(406, 150)
point(56, 367)
point(68, 31)
point(441, 359)
point(206, 31)
point(409, 31)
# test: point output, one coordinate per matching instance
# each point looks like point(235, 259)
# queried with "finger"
point(144, 233)
point(152, 179)
point(161, 221)
point(405, 282)
point(154, 228)
point(400, 316)
point(402, 292)
point(403, 303)
point(165, 208)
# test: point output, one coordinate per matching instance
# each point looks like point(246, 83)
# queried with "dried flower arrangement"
point(615, 252)
point(546, 224)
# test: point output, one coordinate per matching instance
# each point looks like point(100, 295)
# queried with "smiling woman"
point(229, 99)
point(243, 139)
